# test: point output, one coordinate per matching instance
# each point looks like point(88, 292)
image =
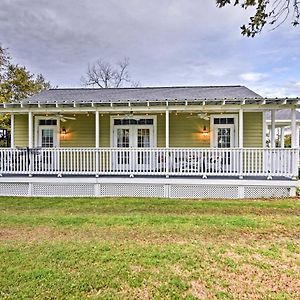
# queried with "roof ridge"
point(148, 87)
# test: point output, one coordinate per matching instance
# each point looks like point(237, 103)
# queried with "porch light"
point(204, 131)
point(64, 131)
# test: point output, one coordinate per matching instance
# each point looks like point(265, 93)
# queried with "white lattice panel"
point(14, 189)
point(131, 190)
point(74, 190)
point(202, 191)
point(266, 192)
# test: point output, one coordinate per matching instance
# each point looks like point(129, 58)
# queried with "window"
point(133, 121)
point(223, 120)
point(48, 122)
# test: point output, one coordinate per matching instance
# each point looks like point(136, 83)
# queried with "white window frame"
point(212, 127)
point(113, 127)
point(37, 126)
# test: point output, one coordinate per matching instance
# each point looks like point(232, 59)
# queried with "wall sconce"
point(204, 131)
point(64, 131)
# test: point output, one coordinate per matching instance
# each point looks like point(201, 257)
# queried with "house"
point(189, 142)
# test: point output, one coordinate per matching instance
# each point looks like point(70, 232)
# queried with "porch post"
point(30, 129)
point(273, 128)
point(241, 128)
point(294, 135)
point(282, 130)
point(294, 142)
point(167, 129)
point(12, 131)
point(167, 141)
point(241, 142)
point(97, 144)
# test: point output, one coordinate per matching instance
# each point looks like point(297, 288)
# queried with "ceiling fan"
point(203, 116)
point(63, 118)
point(129, 115)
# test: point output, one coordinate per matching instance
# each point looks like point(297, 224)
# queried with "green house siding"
point(80, 132)
point(21, 130)
point(185, 131)
point(253, 129)
point(104, 125)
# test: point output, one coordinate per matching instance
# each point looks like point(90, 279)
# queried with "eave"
point(154, 105)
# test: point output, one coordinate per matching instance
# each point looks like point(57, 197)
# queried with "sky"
point(168, 43)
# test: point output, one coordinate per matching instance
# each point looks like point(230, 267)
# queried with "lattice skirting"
point(162, 190)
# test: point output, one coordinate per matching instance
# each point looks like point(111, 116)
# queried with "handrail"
point(204, 162)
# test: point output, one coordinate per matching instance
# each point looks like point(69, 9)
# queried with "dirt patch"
point(199, 290)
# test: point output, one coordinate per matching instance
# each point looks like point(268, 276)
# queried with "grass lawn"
point(82, 248)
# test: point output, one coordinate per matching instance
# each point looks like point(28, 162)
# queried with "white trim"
point(264, 130)
point(97, 129)
point(241, 128)
point(282, 129)
point(145, 109)
point(212, 129)
point(12, 131)
point(36, 128)
point(167, 119)
point(273, 133)
point(295, 135)
point(30, 129)
point(154, 126)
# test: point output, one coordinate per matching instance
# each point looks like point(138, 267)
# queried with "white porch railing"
point(151, 161)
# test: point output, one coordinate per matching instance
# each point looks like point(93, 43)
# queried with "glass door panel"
point(123, 140)
point(223, 139)
point(47, 138)
point(143, 141)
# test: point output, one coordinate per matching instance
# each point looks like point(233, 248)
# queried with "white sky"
point(169, 42)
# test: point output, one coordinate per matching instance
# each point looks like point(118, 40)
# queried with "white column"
point(241, 128)
point(97, 129)
point(30, 130)
point(97, 142)
point(167, 129)
point(264, 130)
point(294, 135)
point(167, 142)
point(294, 142)
point(241, 142)
point(282, 130)
point(12, 131)
point(273, 129)
point(297, 136)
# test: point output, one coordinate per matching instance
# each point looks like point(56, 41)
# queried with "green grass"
point(61, 248)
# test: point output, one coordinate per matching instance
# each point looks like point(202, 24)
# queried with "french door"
point(223, 137)
point(132, 136)
point(47, 138)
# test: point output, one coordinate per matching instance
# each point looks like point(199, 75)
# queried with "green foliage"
point(16, 83)
point(266, 11)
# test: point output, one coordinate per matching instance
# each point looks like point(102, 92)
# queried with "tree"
point(16, 83)
point(274, 12)
point(104, 75)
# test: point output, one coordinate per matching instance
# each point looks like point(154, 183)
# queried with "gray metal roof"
point(283, 115)
point(70, 95)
